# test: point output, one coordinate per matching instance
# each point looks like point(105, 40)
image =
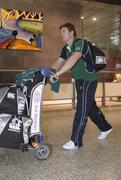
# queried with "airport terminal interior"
point(34, 43)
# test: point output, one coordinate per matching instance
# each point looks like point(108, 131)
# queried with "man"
point(86, 84)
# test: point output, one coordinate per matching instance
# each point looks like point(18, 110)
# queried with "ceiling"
point(105, 30)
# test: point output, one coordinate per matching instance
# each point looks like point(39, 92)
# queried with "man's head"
point(67, 31)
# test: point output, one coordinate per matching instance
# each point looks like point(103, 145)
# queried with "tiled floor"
point(96, 160)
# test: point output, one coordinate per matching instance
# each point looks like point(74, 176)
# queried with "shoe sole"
point(75, 148)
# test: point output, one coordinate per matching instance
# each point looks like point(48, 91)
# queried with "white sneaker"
point(103, 134)
point(70, 145)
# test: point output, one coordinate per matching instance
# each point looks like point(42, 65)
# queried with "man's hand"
point(54, 76)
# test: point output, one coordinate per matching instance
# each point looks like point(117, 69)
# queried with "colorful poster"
point(21, 30)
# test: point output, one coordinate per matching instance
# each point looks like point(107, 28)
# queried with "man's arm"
point(57, 65)
point(70, 63)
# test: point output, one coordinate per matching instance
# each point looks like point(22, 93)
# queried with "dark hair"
point(69, 26)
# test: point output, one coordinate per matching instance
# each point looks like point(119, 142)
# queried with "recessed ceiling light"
point(94, 18)
point(82, 17)
point(111, 37)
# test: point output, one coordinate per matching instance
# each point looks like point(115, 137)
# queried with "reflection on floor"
point(96, 160)
point(68, 103)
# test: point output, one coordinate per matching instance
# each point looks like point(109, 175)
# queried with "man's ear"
point(72, 33)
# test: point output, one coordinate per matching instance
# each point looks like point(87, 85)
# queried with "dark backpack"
point(94, 56)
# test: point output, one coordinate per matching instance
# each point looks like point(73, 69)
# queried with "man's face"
point(66, 34)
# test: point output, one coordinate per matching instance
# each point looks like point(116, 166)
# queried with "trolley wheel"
point(42, 152)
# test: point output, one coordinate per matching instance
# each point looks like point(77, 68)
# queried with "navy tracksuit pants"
point(86, 107)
